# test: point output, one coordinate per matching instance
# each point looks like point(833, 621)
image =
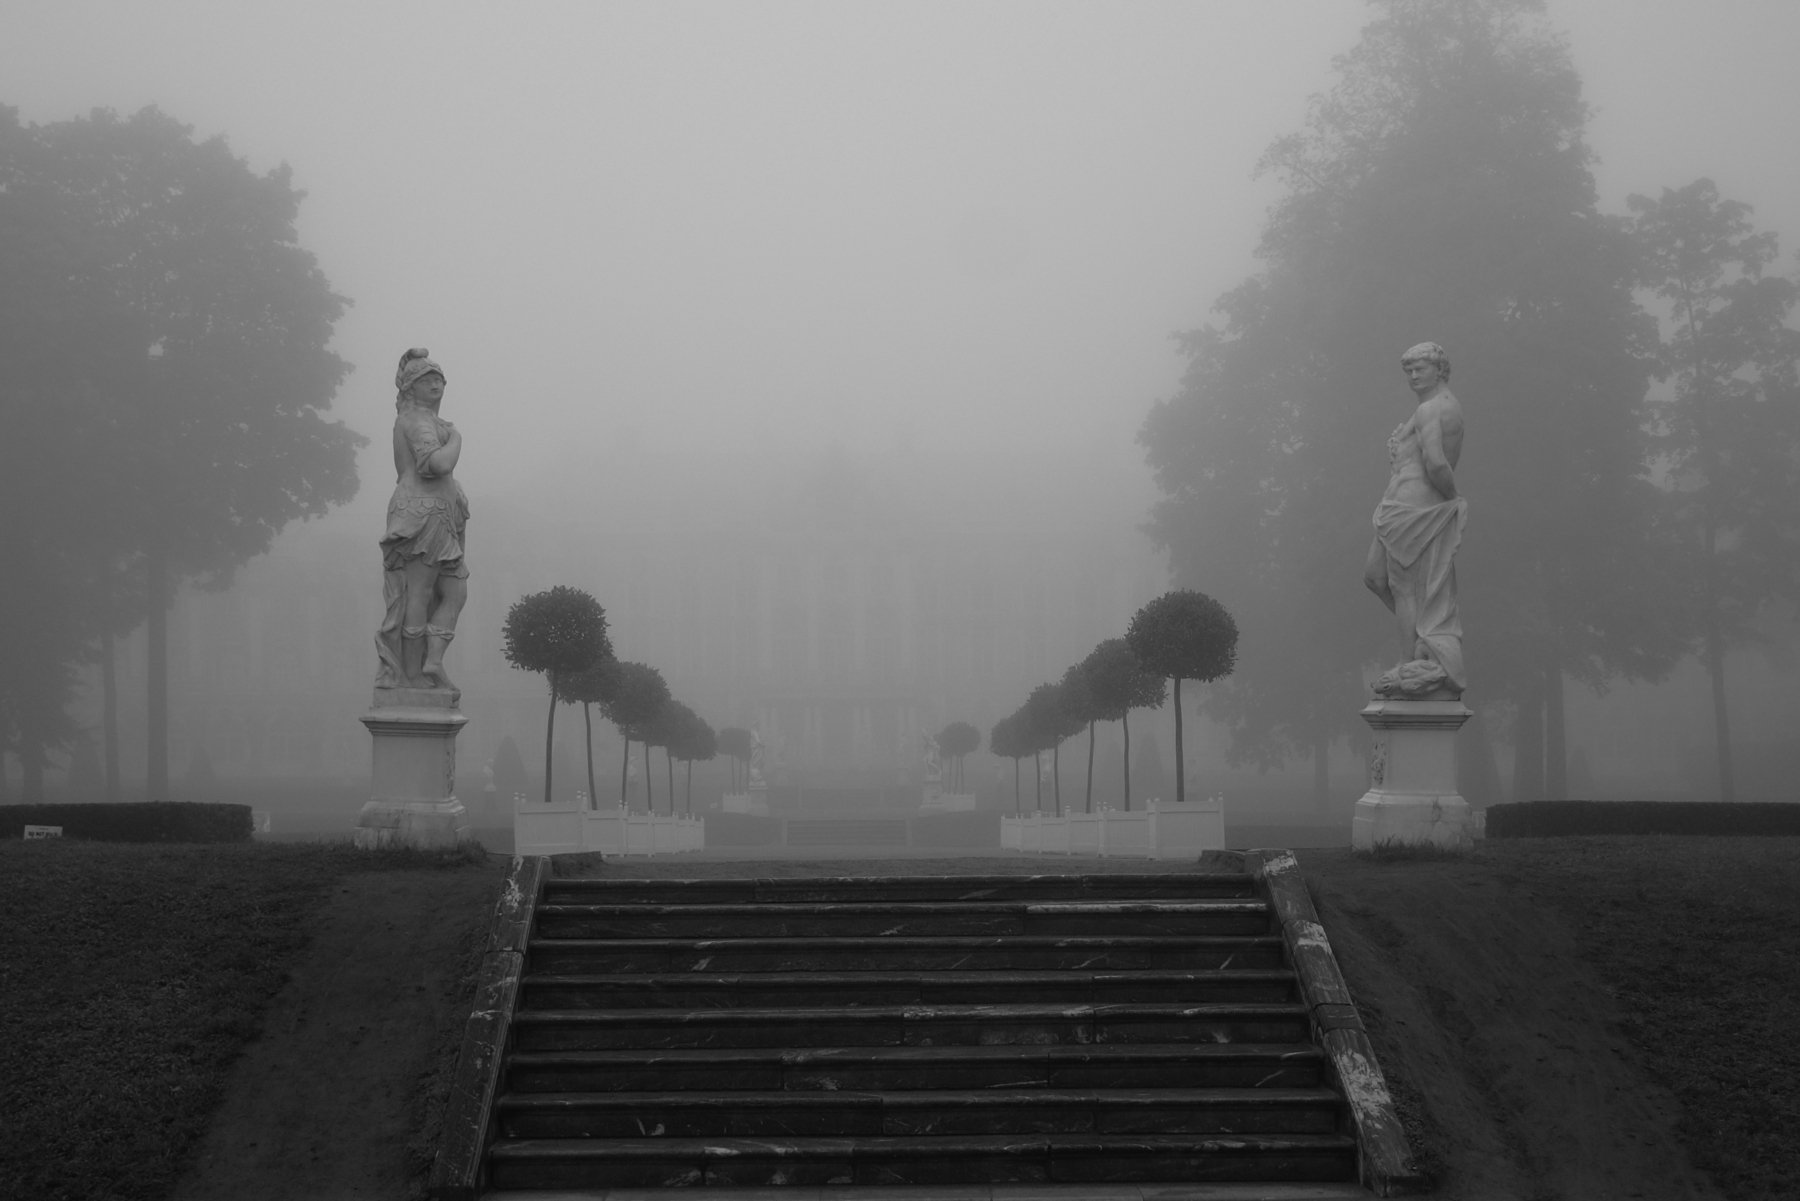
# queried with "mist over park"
point(872, 365)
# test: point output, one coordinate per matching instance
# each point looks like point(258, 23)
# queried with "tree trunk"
point(1090, 769)
point(1556, 734)
point(109, 689)
point(31, 768)
point(1528, 745)
point(649, 781)
point(1715, 668)
point(1056, 776)
point(587, 729)
point(669, 770)
point(1125, 723)
point(1321, 757)
point(156, 580)
point(625, 775)
point(1715, 659)
point(549, 735)
point(1180, 759)
point(1037, 778)
point(690, 788)
point(1018, 795)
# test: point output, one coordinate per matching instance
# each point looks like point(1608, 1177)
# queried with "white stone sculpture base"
point(413, 796)
point(755, 803)
point(1412, 798)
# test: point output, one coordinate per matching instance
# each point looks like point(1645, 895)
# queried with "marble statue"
point(425, 580)
point(1418, 526)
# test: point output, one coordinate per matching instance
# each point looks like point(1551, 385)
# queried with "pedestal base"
point(421, 824)
point(1412, 799)
point(413, 791)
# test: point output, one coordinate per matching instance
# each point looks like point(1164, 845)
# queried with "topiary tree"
point(1051, 723)
point(639, 696)
point(587, 688)
point(1006, 740)
point(557, 632)
point(956, 740)
point(1118, 683)
point(734, 741)
point(694, 741)
point(1184, 635)
point(1083, 708)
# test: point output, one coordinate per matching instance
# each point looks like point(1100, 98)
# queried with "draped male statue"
point(1418, 526)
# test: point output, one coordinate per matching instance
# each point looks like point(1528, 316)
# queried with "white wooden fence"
point(568, 826)
point(1160, 830)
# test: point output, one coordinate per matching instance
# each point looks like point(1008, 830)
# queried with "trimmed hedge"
point(133, 821)
point(1548, 819)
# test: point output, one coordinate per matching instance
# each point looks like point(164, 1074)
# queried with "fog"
point(721, 286)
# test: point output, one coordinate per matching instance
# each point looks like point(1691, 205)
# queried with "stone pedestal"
point(1412, 798)
point(413, 796)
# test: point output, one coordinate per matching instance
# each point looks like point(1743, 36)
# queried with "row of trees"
point(561, 633)
point(1181, 635)
point(164, 382)
point(1444, 189)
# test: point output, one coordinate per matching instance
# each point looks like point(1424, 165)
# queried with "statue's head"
point(1428, 352)
point(415, 365)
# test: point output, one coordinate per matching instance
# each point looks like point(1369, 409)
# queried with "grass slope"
point(131, 978)
point(1583, 1017)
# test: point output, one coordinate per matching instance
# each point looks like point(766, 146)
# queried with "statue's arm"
point(434, 453)
point(1440, 444)
point(442, 461)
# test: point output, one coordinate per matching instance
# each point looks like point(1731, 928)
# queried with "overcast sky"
point(759, 224)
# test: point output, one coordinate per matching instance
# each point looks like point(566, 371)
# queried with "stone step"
point(868, 889)
point(1252, 1190)
point(1051, 1158)
point(922, 1112)
point(552, 989)
point(1084, 952)
point(907, 1026)
point(923, 1025)
point(836, 1069)
point(1011, 918)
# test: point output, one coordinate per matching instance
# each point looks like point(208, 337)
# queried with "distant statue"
point(756, 761)
point(934, 764)
point(1418, 526)
point(425, 580)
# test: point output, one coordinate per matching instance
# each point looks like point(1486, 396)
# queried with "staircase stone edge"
point(1385, 1159)
point(457, 1172)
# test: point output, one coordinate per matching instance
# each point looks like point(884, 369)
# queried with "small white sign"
point(42, 832)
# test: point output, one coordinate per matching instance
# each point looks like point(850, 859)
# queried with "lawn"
point(1522, 997)
point(131, 979)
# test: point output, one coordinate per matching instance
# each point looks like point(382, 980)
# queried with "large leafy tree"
point(559, 633)
point(1442, 189)
point(1183, 635)
point(1116, 681)
point(195, 388)
point(1730, 434)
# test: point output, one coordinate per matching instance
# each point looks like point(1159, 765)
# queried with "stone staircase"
point(970, 1033)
